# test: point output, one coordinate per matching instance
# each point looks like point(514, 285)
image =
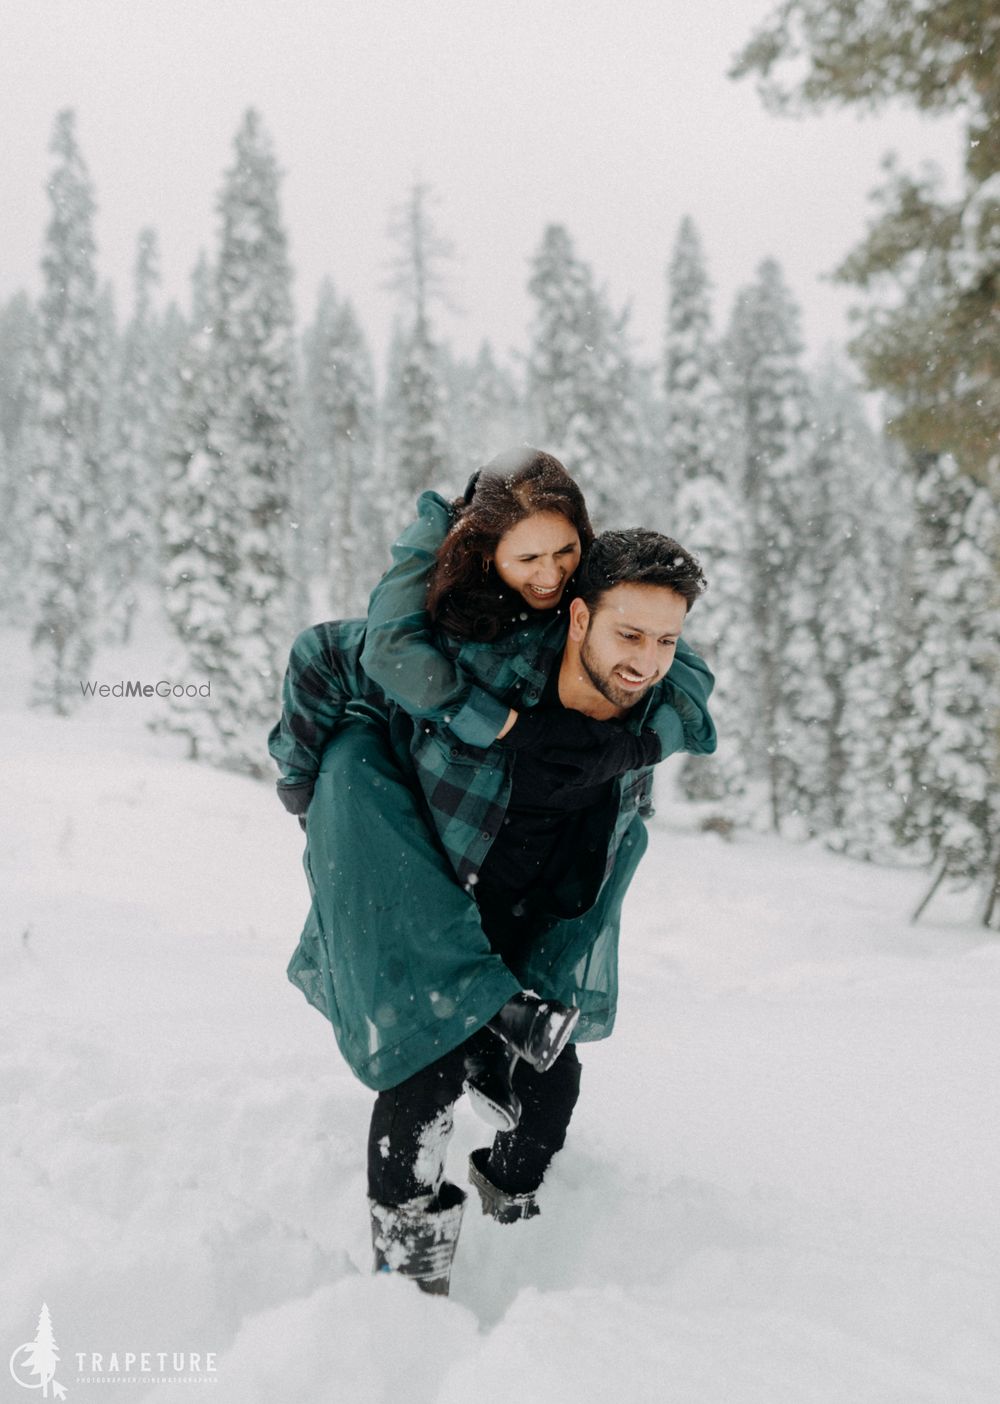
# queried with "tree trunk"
point(929, 893)
point(992, 906)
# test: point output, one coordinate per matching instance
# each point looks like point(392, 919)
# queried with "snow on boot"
point(536, 1029)
point(418, 1239)
point(505, 1208)
point(489, 1073)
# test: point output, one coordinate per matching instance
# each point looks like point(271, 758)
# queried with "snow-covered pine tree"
point(109, 356)
point(136, 451)
point(173, 333)
point(63, 456)
point(389, 417)
point(422, 456)
point(416, 450)
point(484, 410)
point(199, 515)
point(857, 562)
point(340, 438)
point(18, 346)
point(707, 519)
point(18, 370)
point(581, 379)
point(773, 413)
point(691, 381)
point(252, 446)
point(944, 750)
point(647, 497)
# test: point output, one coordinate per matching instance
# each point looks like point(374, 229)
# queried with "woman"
point(420, 964)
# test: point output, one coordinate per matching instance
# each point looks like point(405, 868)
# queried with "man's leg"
point(410, 1129)
point(416, 1214)
point(518, 1159)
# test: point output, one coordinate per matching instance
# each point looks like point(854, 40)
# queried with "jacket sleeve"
point(400, 652)
point(314, 697)
point(680, 716)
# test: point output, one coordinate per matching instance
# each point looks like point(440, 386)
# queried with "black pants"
point(412, 1123)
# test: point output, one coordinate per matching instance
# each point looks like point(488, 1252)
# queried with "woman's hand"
point(615, 751)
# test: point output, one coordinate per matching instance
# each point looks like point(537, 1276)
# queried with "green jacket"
point(393, 952)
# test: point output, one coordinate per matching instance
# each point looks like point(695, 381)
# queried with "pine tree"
point(691, 382)
point(242, 464)
point(484, 411)
point(109, 359)
point(199, 514)
point(857, 559)
point(581, 379)
point(707, 519)
point(340, 415)
point(172, 335)
point(18, 344)
point(19, 365)
point(648, 494)
point(930, 263)
point(416, 450)
point(771, 397)
point(136, 450)
point(422, 458)
point(65, 435)
point(945, 749)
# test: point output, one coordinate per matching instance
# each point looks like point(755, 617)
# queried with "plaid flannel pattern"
point(467, 789)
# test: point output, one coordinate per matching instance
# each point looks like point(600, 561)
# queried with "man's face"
point(630, 640)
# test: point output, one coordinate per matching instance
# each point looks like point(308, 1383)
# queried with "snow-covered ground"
point(781, 1183)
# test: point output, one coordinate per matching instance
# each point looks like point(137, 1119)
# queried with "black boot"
point(537, 1030)
point(505, 1208)
point(418, 1240)
point(489, 1073)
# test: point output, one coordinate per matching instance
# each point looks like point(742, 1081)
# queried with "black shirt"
point(541, 841)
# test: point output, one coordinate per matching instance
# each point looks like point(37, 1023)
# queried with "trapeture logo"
point(33, 1364)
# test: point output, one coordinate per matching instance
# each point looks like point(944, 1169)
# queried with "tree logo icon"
point(38, 1358)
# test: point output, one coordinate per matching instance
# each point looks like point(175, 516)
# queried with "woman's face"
point(537, 557)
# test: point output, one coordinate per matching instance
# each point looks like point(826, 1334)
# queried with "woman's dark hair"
point(466, 596)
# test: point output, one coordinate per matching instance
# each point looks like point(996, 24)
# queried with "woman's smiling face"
point(537, 557)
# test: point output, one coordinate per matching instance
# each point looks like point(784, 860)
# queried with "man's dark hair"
point(638, 557)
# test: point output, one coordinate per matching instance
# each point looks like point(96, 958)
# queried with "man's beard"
point(606, 685)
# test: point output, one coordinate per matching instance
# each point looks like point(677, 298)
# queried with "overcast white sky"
point(615, 119)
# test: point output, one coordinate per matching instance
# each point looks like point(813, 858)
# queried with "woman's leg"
point(406, 969)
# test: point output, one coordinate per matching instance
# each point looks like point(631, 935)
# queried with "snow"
point(780, 1183)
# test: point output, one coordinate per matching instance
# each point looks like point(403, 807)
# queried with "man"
point(415, 949)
